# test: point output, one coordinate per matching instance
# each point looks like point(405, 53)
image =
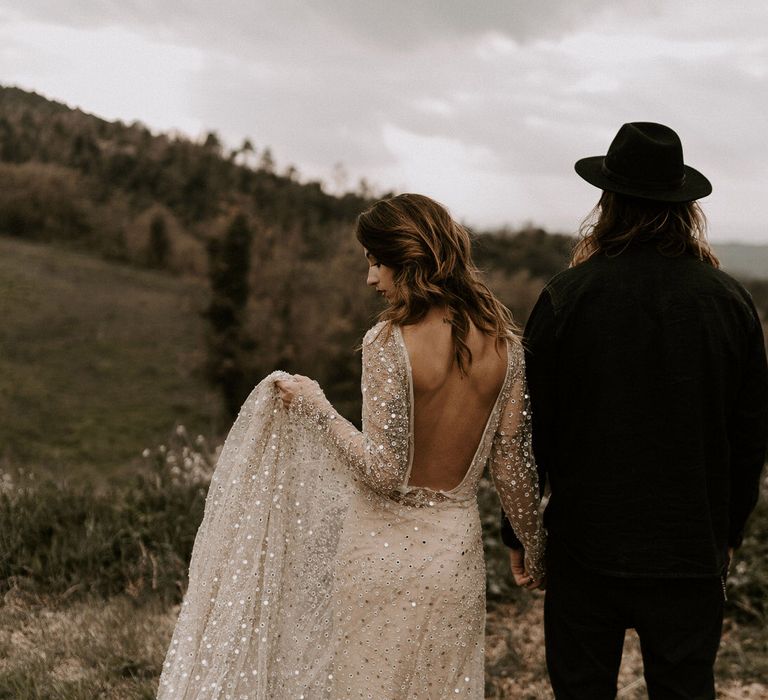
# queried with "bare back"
point(450, 411)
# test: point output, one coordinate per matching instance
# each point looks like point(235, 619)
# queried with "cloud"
point(393, 25)
point(110, 71)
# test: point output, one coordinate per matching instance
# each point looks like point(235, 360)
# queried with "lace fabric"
point(318, 573)
point(380, 454)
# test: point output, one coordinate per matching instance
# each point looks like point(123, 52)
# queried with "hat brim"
point(695, 185)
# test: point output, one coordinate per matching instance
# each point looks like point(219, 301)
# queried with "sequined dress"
point(319, 573)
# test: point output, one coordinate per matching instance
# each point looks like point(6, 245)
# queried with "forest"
point(147, 282)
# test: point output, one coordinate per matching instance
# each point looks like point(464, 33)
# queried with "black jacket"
point(649, 393)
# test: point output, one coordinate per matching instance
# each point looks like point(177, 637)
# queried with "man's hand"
point(521, 576)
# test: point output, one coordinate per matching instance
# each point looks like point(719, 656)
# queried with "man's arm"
point(540, 360)
point(748, 434)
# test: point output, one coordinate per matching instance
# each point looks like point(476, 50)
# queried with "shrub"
point(135, 537)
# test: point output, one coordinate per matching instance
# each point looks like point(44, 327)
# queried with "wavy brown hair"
point(618, 220)
point(430, 255)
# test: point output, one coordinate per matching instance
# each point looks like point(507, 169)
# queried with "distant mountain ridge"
point(743, 259)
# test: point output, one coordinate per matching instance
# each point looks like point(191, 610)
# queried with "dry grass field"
point(112, 650)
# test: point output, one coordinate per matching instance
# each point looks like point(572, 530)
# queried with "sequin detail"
point(319, 573)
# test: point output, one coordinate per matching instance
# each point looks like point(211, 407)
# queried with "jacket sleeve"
point(540, 362)
point(514, 473)
point(748, 434)
point(380, 453)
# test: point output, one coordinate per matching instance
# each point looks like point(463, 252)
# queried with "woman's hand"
point(519, 573)
point(294, 386)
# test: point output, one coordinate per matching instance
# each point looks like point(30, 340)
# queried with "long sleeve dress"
point(318, 572)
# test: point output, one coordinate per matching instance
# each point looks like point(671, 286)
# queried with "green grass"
point(97, 359)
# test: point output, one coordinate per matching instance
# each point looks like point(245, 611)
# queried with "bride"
point(333, 563)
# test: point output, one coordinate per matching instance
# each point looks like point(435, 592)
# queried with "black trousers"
point(586, 614)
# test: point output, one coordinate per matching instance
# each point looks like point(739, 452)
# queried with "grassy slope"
point(97, 360)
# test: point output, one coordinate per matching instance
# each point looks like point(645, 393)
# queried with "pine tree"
point(159, 248)
point(267, 161)
point(229, 262)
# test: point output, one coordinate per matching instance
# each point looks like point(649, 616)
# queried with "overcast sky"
point(482, 105)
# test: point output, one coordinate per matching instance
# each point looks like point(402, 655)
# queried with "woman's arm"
point(380, 453)
point(513, 470)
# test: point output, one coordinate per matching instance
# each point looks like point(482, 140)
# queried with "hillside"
point(97, 359)
point(94, 184)
point(120, 193)
point(106, 239)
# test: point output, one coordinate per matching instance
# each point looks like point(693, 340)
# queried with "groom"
point(647, 372)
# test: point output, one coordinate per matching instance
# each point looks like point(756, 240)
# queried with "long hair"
point(618, 220)
point(430, 255)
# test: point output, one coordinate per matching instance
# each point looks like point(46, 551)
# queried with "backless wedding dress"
point(319, 573)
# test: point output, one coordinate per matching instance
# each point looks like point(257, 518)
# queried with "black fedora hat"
point(645, 160)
